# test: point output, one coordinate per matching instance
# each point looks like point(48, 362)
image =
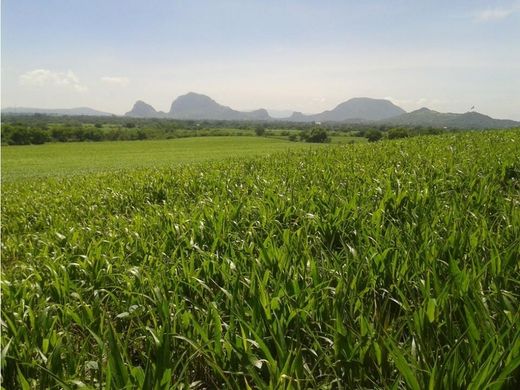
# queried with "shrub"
point(398, 132)
point(315, 135)
point(373, 135)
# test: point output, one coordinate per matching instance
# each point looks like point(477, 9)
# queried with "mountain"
point(279, 114)
point(257, 115)
point(468, 120)
point(196, 106)
point(355, 109)
point(56, 111)
point(365, 109)
point(299, 117)
point(144, 110)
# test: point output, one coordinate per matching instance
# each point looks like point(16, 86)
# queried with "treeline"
point(23, 134)
point(38, 129)
point(377, 134)
point(39, 120)
point(31, 134)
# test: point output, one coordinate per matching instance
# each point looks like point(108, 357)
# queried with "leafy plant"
point(379, 265)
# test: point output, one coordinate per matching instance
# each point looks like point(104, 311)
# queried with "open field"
point(392, 264)
point(65, 159)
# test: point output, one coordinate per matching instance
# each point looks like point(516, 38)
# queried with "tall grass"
point(363, 266)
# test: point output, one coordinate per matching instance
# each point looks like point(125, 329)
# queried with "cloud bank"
point(43, 77)
point(494, 14)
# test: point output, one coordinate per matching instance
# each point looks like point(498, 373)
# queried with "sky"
point(280, 55)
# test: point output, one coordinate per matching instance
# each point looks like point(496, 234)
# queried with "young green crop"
point(79, 158)
point(360, 266)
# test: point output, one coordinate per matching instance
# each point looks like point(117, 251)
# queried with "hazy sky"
point(300, 55)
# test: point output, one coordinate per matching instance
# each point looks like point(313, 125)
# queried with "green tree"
point(315, 135)
point(39, 136)
point(373, 135)
point(260, 131)
point(398, 132)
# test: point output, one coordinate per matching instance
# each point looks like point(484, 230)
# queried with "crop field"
point(394, 264)
point(66, 159)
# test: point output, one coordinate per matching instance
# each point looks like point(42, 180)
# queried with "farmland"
point(67, 159)
point(390, 264)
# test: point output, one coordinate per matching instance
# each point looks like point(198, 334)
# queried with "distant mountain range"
point(55, 111)
point(194, 106)
point(197, 107)
point(468, 120)
point(356, 110)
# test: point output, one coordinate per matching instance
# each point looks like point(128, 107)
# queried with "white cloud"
point(121, 81)
point(42, 77)
point(494, 14)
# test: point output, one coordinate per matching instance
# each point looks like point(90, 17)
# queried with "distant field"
point(65, 159)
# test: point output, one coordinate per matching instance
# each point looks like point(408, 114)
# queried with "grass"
point(65, 159)
point(387, 265)
point(346, 139)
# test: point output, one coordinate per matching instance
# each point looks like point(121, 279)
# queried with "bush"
point(260, 131)
point(398, 132)
point(373, 135)
point(39, 137)
point(316, 135)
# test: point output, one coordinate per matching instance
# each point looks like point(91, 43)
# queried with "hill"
point(356, 109)
point(468, 120)
point(198, 106)
point(144, 110)
point(78, 111)
point(195, 106)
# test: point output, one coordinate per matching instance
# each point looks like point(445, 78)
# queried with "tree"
point(260, 131)
point(315, 135)
point(373, 135)
point(141, 135)
point(398, 132)
point(38, 136)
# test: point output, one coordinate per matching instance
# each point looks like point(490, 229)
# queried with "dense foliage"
point(38, 129)
point(315, 135)
point(22, 133)
point(359, 266)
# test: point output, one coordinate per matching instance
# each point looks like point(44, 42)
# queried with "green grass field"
point(385, 265)
point(66, 159)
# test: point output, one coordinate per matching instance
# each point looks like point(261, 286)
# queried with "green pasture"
point(73, 158)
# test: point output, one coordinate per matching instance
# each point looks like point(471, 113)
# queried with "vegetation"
point(374, 135)
point(27, 134)
point(398, 132)
point(21, 162)
point(315, 135)
point(393, 264)
point(38, 129)
point(260, 131)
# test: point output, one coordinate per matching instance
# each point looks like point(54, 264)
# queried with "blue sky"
point(299, 55)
